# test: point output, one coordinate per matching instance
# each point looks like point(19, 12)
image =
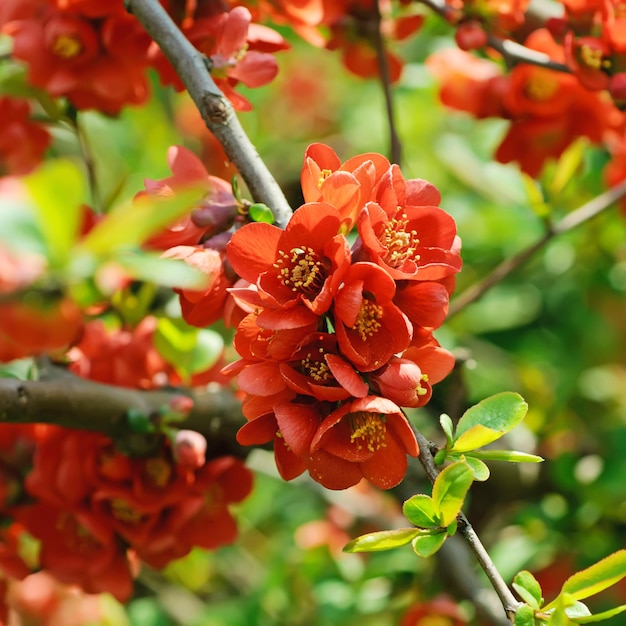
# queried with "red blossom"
point(23, 142)
point(213, 214)
point(368, 437)
point(202, 307)
point(370, 327)
point(96, 62)
point(298, 268)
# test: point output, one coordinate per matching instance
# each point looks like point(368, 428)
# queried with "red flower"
point(368, 437)
point(31, 328)
point(370, 327)
point(237, 52)
point(96, 63)
point(202, 307)
point(77, 548)
point(214, 213)
point(346, 186)
point(441, 611)
point(122, 357)
point(22, 142)
point(301, 266)
point(414, 242)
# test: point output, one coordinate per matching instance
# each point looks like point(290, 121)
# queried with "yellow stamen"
point(368, 430)
point(400, 243)
point(367, 323)
point(67, 46)
point(159, 471)
point(301, 270)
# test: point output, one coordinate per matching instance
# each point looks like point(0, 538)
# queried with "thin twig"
point(395, 146)
point(581, 215)
point(87, 156)
point(216, 110)
point(468, 533)
point(512, 52)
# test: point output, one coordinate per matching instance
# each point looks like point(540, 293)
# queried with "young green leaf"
point(57, 189)
point(448, 428)
point(476, 437)
point(600, 617)
point(260, 212)
point(420, 511)
point(165, 272)
point(597, 577)
point(512, 456)
point(450, 489)
point(524, 616)
point(500, 413)
point(382, 540)
point(427, 545)
point(528, 589)
point(129, 224)
point(480, 469)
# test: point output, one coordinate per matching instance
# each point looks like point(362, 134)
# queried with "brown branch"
point(511, 51)
point(581, 215)
point(216, 110)
point(72, 402)
point(465, 530)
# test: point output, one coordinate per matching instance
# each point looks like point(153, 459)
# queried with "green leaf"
point(188, 349)
point(577, 609)
point(260, 212)
point(512, 456)
point(448, 428)
point(450, 489)
point(129, 224)
point(500, 413)
point(598, 577)
point(427, 545)
point(476, 437)
point(420, 511)
point(57, 189)
point(524, 616)
point(166, 272)
point(139, 422)
point(600, 617)
point(382, 540)
point(567, 165)
point(528, 589)
point(480, 469)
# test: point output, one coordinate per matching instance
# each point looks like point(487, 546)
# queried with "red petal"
point(333, 472)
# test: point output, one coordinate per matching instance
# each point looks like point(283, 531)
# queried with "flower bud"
point(189, 449)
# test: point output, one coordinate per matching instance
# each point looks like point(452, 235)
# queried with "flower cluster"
point(548, 109)
point(98, 512)
point(338, 338)
point(96, 54)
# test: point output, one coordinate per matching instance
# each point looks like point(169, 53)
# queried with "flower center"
point(367, 323)
point(301, 270)
point(124, 512)
point(368, 430)
point(314, 367)
point(158, 471)
point(541, 87)
point(67, 46)
point(400, 243)
point(592, 57)
point(324, 174)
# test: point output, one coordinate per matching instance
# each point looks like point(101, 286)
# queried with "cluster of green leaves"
point(480, 426)
point(435, 517)
point(567, 609)
point(48, 223)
